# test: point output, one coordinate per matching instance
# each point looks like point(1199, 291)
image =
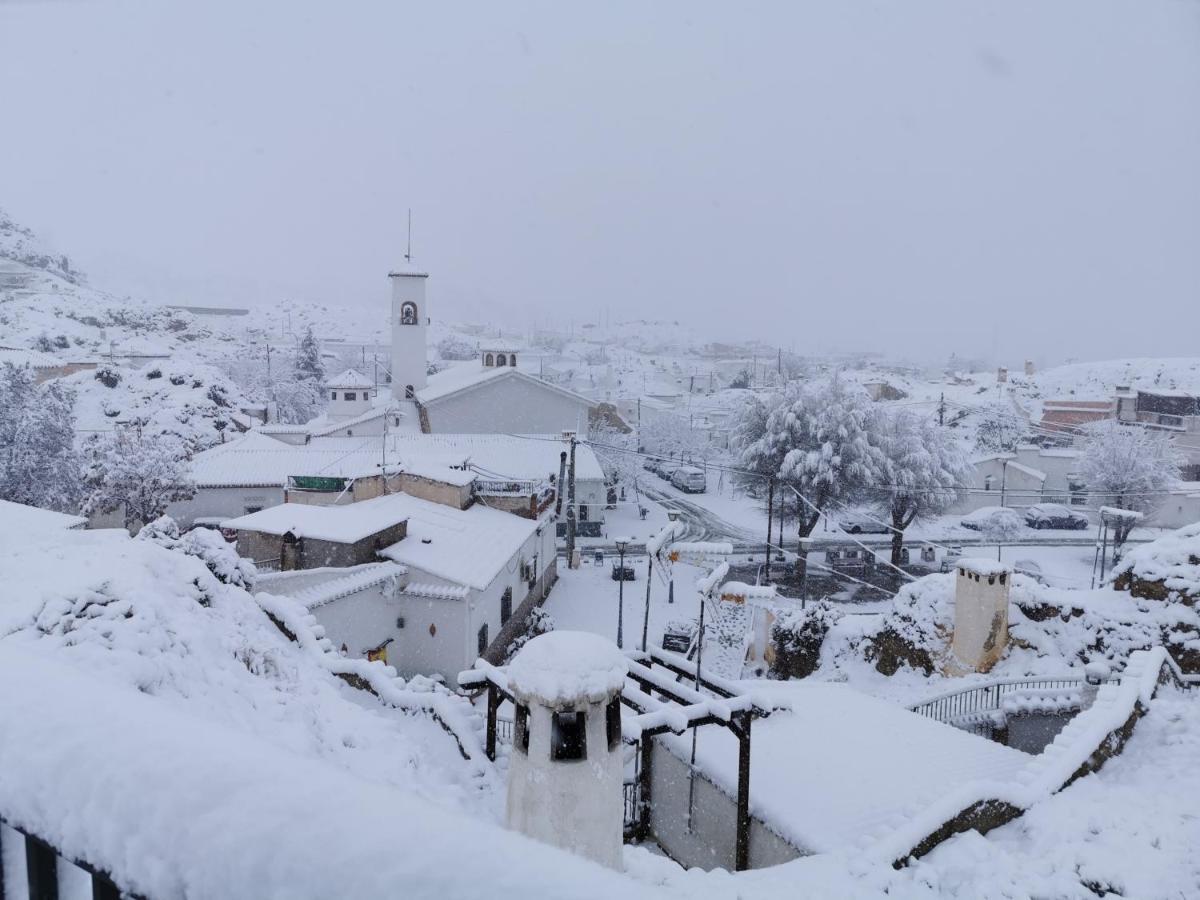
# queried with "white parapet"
point(565, 775)
point(980, 613)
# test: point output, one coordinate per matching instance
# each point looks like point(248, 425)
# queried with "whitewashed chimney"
point(565, 774)
point(980, 613)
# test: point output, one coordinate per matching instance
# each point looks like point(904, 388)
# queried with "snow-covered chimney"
point(565, 775)
point(980, 613)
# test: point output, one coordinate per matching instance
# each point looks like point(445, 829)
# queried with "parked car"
point(690, 480)
point(666, 469)
point(1055, 515)
point(623, 573)
point(993, 518)
point(860, 523)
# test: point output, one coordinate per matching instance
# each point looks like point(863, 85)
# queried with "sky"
point(1011, 179)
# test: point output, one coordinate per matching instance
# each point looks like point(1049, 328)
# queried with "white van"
point(689, 479)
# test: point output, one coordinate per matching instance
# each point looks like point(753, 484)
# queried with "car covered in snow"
point(861, 523)
point(993, 519)
point(1055, 515)
point(690, 480)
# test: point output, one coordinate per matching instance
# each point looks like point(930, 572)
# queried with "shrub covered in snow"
point(205, 544)
point(798, 636)
point(108, 375)
point(537, 622)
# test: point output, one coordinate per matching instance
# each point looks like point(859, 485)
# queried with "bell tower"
point(410, 319)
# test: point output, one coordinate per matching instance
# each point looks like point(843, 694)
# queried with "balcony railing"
point(976, 709)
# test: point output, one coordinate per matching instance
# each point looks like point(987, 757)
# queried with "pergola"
point(662, 692)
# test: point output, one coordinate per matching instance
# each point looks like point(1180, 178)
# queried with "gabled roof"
point(345, 524)
point(349, 380)
point(471, 375)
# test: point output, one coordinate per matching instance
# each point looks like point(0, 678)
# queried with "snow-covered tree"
point(824, 434)
point(1128, 467)
point(669, 435)
point(1000, 429)
point(615, 450)
point(455, 347)
point(140, 473)
point(307, 365)
point(39, 465)
point(206, 545)
point(925, 472)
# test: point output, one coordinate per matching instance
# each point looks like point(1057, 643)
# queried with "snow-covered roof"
point(344, 524)
point(35, 359)
point(567, 667)
point(515, 457)
point(324, 425)
point(349, 380)
point(470, 375)
point(256, 460)
point(841, 764)
point(346, 582)
point(466, 546)
point(19, 519)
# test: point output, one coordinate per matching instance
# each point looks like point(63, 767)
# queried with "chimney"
point(981, 592)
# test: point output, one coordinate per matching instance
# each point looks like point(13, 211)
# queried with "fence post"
point(493, 706)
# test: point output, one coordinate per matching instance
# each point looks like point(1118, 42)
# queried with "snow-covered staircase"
point(727, 635)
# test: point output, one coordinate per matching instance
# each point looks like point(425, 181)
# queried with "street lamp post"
point(622, 543)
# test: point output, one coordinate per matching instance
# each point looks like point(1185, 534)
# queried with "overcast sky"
point(1017, 177)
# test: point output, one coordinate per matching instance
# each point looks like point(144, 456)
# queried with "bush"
point(108, 375)
point(798, 637)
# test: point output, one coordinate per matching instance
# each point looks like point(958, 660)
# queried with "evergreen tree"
point(307, 365)
point(39, 465)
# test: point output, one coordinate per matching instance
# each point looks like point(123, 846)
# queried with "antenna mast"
point(408, 252)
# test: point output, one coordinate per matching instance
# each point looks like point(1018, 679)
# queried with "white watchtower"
point(565, 774)
point(410, 319)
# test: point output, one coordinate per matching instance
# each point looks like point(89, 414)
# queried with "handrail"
point(965, 706)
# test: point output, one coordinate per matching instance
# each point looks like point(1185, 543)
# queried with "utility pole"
point(571, 514)
point(770, 514)
point(646, 613)
point(562, 477)
point(942, 409)
point(268, 362)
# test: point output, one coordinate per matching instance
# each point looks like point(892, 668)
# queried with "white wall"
point(507, 405)
point(226, 502)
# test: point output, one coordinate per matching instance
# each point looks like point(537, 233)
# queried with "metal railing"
point(971, 708)
point(515, 488)
point(41, 869)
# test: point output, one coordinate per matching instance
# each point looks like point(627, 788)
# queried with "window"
point(506, 605)
point(612, 722)
point(350, 395)
point(408, 313)
point(512, 359)
point(500, 359)
point(521, 728)
point(568, 736)
point(483, 638)
point(252, 509)
point(583, 512)
point(987, 482)
point(409, 393)
point(333, 395)
point(488, 360)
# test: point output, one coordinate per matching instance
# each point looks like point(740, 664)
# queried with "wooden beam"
point(742, 850)
point(41, 865)
point(493, 707)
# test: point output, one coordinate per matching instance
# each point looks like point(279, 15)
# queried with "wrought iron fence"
point(972, 709)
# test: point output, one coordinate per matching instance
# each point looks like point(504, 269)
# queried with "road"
point(702, 524)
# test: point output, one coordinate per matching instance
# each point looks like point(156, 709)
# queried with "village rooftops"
point(469, 547)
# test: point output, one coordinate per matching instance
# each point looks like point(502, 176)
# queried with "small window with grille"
point(568, 736)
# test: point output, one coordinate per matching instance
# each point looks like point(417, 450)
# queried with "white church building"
point(488, 395)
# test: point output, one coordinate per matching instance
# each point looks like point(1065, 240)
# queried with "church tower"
point(410, 319)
